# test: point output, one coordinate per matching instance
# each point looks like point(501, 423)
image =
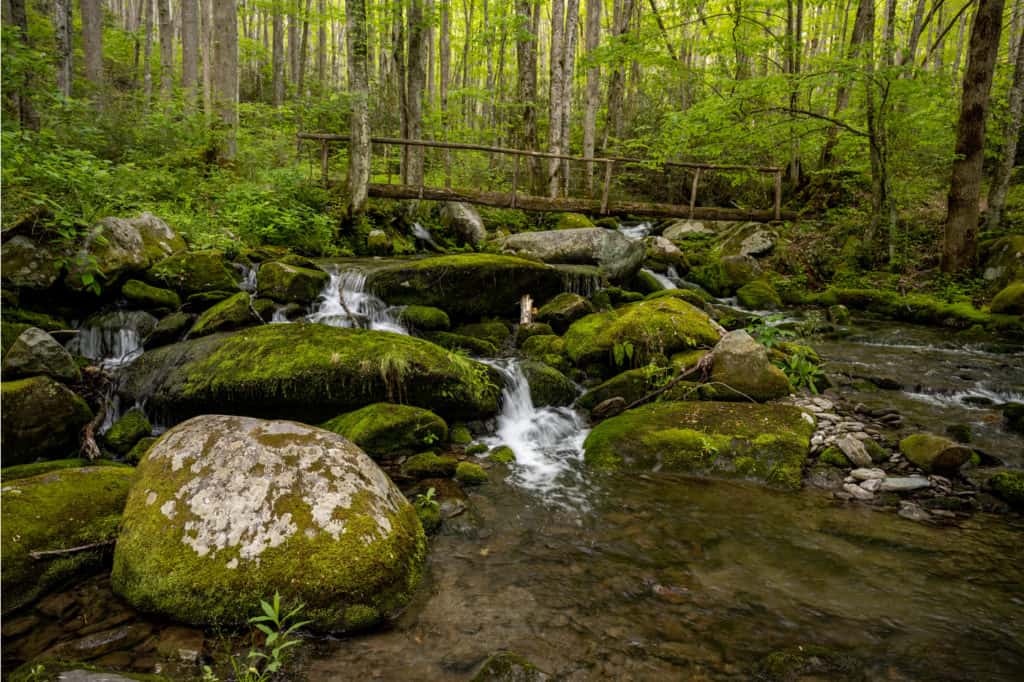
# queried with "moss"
point(360, 617)
point(456, 283)
point(468, 473)
point(56, 510)
point(707, 438)
point(150, 297)
point(127, 431)
point(531, 329)
point(563, 310)
point(646, 283)
point(496, 333)
point(54, 671)
point(809, 662)
point(571, 221)
point(31, 318)
point(630, 385)
point(460, 435)
point(502, 454)
point(934, 453)
point(286, 283)
point(1013, 417)
point(233, 313)
point(41, 420)
point(509, 667)
point(1009, 301)
point(425, 318)
point(206, 299)
point(308, 371)
point(139, 450)
point(429, 465)
point(691, 296)
point(619, 296)
point(538, 346)
point(430, 517)
point(476, 449)
point(169, 329)
point(19, 471)
point(548, 386)
point(193, 272)
point(838, 314)
point(378, 243)
point(385, 430)
point(468, 344)
point(10, 331)
point(1009, 485)
point(758, 295)
point(665, 325)
point(833, 456)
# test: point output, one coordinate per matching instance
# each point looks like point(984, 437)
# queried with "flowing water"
point(112, 339)
point(636, 232)
point(664, 280)
point(345, 302)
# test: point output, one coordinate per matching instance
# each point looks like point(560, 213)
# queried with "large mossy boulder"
point(1003, 260)
point(225, 510)
point(387, 430)
point(424, 318)
point(1009, 485)
point(119, 246)
point(935, 454)
point(24, 264)
point(747, 239)
point(548, 386)
point(127, 431)
point(758, 295)
point(142, 295)
point(763, 442)
point(41, 420)
point(37, 353)
point(564, 309)
point(194, 272)
point(60, 509)
point(466, 286)
point(289, 283)
point(630, 385)
point(464, 220)
point(495, 332)
point(169, 329)
point(1010, 300)
point(307, 371)
point(231, 313)
point(616, 257)
point(659, 326)
point(741, 366)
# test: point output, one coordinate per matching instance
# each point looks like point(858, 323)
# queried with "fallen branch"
point(70, 550)
point(703, 366)
point(90, 450)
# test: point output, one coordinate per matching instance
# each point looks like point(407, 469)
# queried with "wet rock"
point(424, 318)
point(41, 419)
point(127, 431)
point(809, 662)
point(1009, 486)
point(206, 528)
point(684, 229)
point(169, 329)
point(146, 297)
point(872, 485)
point(759, 295)
point(548, 386)
point(469, 473)
point(742, 365)
point(57, 605)
point(857, 492)
point(867, 474)
point(37, 353)
point(184, 644)
point(429, 465)
point(194, 272)
point(387, 430)
point(502, 454)
point(28, 265)
point(606, 409)
point(934, 453)
point(509, 667)
point(854, 450)
point(825, 478)
point(564, 309)
point(617, 257)
point(290, 284)
point(230, 314)
point(100, 643)
point(1013, 417)
point(913, 512)
point(904, 484)
point(662, 254)
point(464, 220)
point(16, 627)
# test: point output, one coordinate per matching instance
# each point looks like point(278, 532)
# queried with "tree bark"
point(863, 27)
point(293, 41)
point(1001, 175)
point(593, 99)
point(92, 43)
point(556, 75)
point(62, 25)
point(225, 75)
point(617, 85)
point(190, 49)
point(19, 99)
point(526, 58)
point(166, 49)
point(300, 82)
point(277, 54)
point(960, 247)
point(359, 145)
point(321, 45)
point(147, 51)
point(416, 75)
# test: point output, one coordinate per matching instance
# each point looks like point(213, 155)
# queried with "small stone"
point(871, 485)
point(913, 512)
point(854, 451)
point(905, 484)
point(867, 474)
point(858, 492)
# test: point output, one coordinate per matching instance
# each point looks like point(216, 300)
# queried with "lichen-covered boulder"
point(194, 272)
point(768, 443)
point(127, 431)
point(231, 313)
point(1002, 259)
point(148, 297)
point(740, 364)
point(118, 246)
point(935, 454)
point(464, 220)
point(425, 318)
point(386, 430)
point(1010, 300)
point(458, 283)
point(663, 325)
point(60, 509)
point(758, 295)
point(548, 386)
point(37, 353)
point(289, 283)
point(41, 420)
point(617, 257)
point(306, 371)
point(564, 309)
point(225, 510)
point(25, 264)
point(747, 239)
point(685, 229)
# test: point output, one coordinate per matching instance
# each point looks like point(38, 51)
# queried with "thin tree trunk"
point(593, 98)
point(959, 249)
point(206, 6)
point(417, 80)
point(359, 144)
point(1001, 175)
point(225, 75)
point(526, 59)
point(20, 102)
point(62, 25)
point(445, 66)
point(863, 27)
point(147, 51)
point(293, 41)
point(321, 45)
point(617, 85)
point(303, 50)
point(556, 75)
point(190, 49)
point(166, 49)
point(92, 44)
point(572, 20)
point(277, 54)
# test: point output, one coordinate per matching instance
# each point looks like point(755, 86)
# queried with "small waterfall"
point(422, 234)
point(113, 339)
point(665, 282)
point(345, 302)
point(248, 272)
point(636, 232)
point(582, 280)
point(279, 317)
point(547, 441)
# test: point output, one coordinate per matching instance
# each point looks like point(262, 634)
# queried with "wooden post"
point(693, 191)
point(323, 161)
point(607, 185)
point(526, 309)
point(515, 180)
point(778, 194)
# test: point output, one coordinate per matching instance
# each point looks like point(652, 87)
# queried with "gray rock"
point(37, 353)
point(663, 248)
point(681, 229)
point(904, 484)
point(606, 409)
point(871, 485)
point(854, 451)
point(27, 265)
point(913, 512)
point(617, 257)
point(742, 364)
point(116, 246)
point(464, 220)
point(857, 492)
point(867, 474)
point(90, 676)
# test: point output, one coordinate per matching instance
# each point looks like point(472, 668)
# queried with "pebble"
point(909, 510)
point(857, 492)
point(854, 451)
point(871, 485)
point(867, 474)
point(905, 484)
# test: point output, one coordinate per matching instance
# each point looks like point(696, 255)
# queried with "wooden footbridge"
point(599, 186)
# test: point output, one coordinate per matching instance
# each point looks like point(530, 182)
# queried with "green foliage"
point(766, 331)
point(622, 353)
point(427, 501)
point(802, 371)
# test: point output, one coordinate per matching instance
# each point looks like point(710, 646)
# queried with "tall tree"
point(190, 49)
point(1001, 175)
point(960, 247)
point(593, 94)
point(20, 102)
point(166, 48)
point(277, 54)
point(416, 81)
point(91, 12)
point(527, 15)
point(225, 75)
point(147, 51)
point(62, 26)
point(359, 141)
point(622, 16)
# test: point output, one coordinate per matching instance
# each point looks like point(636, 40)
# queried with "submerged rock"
point(741, 364)
point(37, 353)
point(617, 257)
point(464, 220)
point(52, 511)
point(386, 430)
point(307, 371)
point(289, 283)
point(41, 420)
point(769, 443)
point(225, 509)
point(934, 454)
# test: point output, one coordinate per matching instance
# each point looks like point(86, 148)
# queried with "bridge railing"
point(528, 172)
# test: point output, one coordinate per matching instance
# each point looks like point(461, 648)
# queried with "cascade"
point(345, 297)
point(112, 339)
point(636, 232)
point(664, 281)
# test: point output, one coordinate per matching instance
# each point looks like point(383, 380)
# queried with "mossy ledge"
point(763, 442)
point(309, 372)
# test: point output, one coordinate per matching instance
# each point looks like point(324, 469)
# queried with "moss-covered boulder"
point(759, 295)
point(307, 371)
point(1009, 301)
point(169, 329)
point(37, 353)
point(935, 454)
point(59, 509)
point(9, 333)
point(630, 385)
point(548, 386)
point(232, 313)
point(378, 243)
point(494, 332)
point(148, 297)
point(740, 364)
point(502, 454)
point(616, 257)
point(726, 275)
point(25, 264)
point(225, 510)
point(139, 450)
point(762, 442)
point(194, 272)
point(506, 666)
point(425, 318)
point(467, 286)
point(459, 342)
point(747, 239)
point(41, 420)
point(564, 309)
point(460, 435)
point(290, 283)
point(464, 221)
point(470, 473)
point(429, 465)
point(115, 247)
point(386, 430)
point(1003, 260)
point(1009, 485)
point(127, 431)
point(572, 221)
point(19, 471)
point(646, 283)
point(664, 325)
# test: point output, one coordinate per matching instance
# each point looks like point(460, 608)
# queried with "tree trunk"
point(444, 58)
point(207, 28)
point(863, 28)
point(166, 49)
point(147, 51)
point(92, 43)
point(959, 249)
point(556, 75)
point(1001, 175)
point(526, 58)
point(277, 54)
point(321, 45)
point(20, 102)
point(190, 49)
point(293, 41)
point(572, 20)
point(62, 25)
point(225, 74)
point(593, 100)
point(617, 85)
point(416, 74)
point(359, 144)
point(300, 82)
